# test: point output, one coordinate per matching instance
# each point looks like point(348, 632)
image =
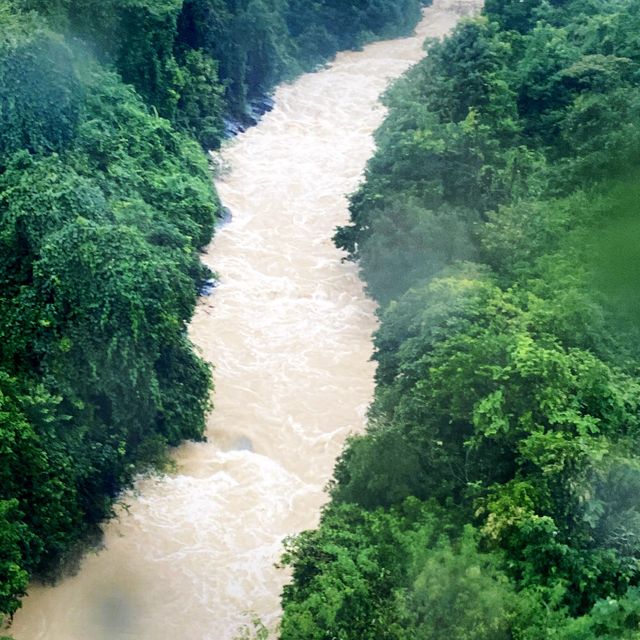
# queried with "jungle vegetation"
point(106, 199)
point(495, 494)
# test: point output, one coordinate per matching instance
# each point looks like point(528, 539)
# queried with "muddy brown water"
point(289, 331)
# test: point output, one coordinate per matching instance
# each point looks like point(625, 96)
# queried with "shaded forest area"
point(105, 201)
point(495, 495)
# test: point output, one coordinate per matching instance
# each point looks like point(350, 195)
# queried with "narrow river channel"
point(289, 331)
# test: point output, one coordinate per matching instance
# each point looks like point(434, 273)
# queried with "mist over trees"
point(495, 493)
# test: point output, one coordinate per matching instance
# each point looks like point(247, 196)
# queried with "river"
point(289, 331)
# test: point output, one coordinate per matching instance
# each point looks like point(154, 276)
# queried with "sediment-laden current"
point(289, 331)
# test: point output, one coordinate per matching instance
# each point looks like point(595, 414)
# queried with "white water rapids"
point(289, 331)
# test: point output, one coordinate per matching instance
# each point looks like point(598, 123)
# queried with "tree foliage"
point(197, 61)
point(103, 207)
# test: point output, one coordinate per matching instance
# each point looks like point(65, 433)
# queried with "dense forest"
point(199, 61)
point(495, 493)
point(105, 201)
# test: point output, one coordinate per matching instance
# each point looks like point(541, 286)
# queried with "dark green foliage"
point(321, 28)
point(200, 106)
point(103, 207)
point(519, 15)
point(13, 577)
point(146, 32)
point(507, 395)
